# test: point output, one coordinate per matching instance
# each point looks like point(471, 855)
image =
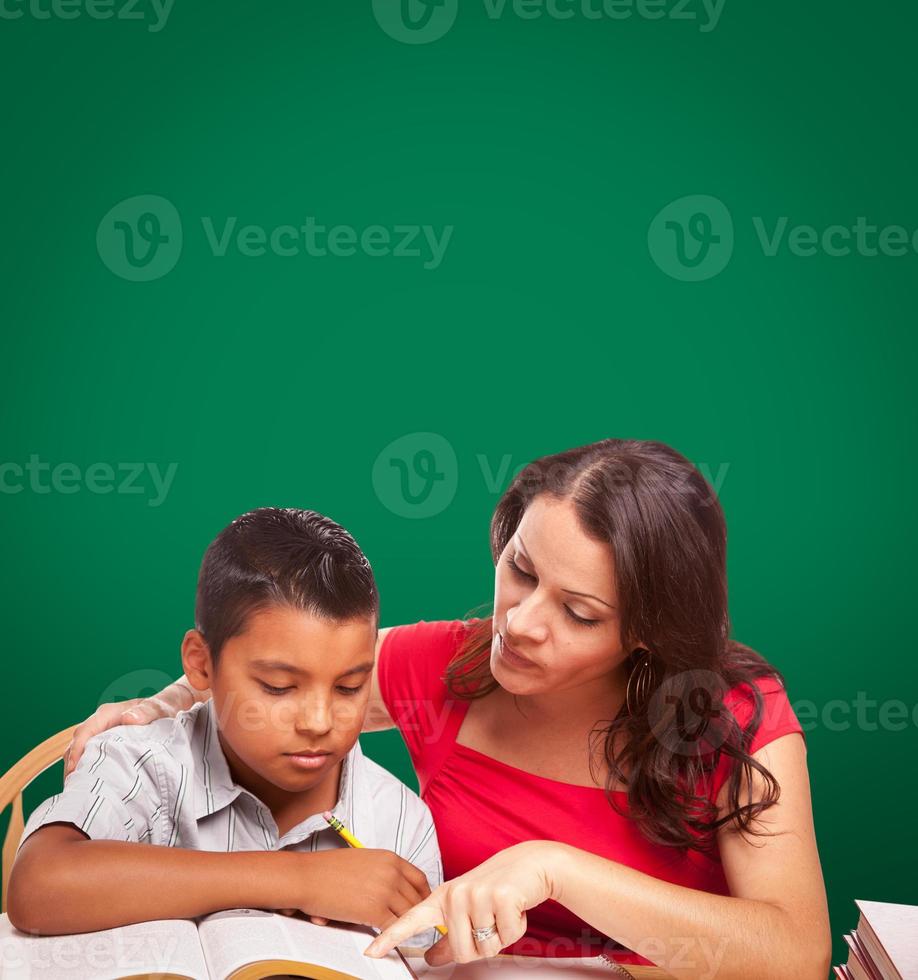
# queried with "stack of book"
point(884, 945)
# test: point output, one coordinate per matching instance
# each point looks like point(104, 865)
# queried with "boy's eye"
point(276, 691)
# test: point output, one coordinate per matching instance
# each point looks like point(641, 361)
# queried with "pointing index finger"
point(423, 916)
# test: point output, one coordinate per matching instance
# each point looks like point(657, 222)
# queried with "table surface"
point(511, 968)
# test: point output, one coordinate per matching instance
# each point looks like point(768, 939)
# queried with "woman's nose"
point(526, 621)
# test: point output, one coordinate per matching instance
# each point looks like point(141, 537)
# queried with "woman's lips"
point(511, 657)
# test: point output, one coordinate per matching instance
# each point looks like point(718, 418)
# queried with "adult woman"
point(602, 762)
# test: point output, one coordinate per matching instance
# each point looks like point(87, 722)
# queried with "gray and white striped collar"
point(214, 787)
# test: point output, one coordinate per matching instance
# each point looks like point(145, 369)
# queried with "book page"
point(169, 946)
point(236, 937)
point(894, 926)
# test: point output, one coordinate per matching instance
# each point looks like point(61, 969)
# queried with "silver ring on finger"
point(482, 934)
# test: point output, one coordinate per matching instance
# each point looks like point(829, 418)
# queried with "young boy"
point(221, 807)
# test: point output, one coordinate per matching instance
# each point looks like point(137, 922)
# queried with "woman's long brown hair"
point(668, 536)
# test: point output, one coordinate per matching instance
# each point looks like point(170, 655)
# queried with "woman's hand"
point(138, 711)
point(497, 892)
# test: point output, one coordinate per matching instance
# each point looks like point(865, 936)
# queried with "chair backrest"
point(12, 785)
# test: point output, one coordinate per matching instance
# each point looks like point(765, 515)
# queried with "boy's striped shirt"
point(168, 783)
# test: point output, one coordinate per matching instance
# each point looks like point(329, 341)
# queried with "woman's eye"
point(531, 578)
point(349, 690)
point(276, 691)
point(580, 619)
point(516, 568)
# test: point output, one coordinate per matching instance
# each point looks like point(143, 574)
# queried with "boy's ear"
point(196, 659)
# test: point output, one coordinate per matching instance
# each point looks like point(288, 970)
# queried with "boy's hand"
point(362, 885)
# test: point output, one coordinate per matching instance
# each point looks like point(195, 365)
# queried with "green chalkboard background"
point(617, 192)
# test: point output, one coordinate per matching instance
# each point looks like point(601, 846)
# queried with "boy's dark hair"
point(281, 556)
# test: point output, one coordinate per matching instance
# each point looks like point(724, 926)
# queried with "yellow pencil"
point(338, 827)
point(341, 830)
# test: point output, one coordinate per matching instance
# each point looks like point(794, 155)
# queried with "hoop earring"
point(641, 677)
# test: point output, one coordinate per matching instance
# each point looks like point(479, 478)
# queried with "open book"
point(240, 944)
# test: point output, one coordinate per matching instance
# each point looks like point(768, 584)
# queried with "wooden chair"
point(13, 784)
